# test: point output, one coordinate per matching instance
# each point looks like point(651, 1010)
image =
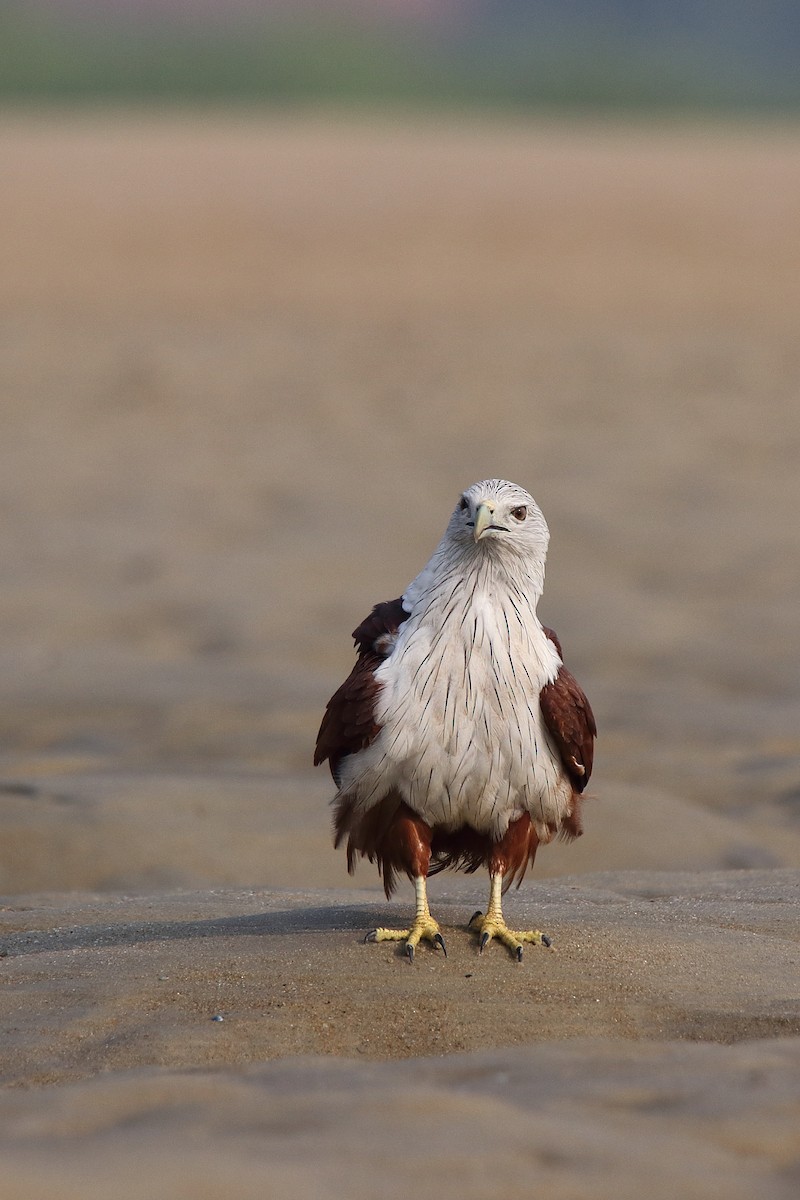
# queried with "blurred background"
point(735, 55)
point(278, 281)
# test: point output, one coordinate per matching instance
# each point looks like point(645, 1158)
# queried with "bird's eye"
point(520, 513)
point(462, 505)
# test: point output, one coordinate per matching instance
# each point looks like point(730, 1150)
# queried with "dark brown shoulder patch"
point(385, 618)
point(349, 722)
point(570, 723)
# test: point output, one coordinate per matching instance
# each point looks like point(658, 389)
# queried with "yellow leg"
point(424, 925)
point(493, 924)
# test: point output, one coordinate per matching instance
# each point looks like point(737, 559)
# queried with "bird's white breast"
point(462, 738)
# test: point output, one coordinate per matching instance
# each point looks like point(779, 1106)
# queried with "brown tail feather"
point(393, 836)
point(389, 834)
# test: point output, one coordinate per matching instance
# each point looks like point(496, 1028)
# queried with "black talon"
point(474, 917)
point(546, 941)
point(372, 936)
point(484, 939)
point(410, 951)
point(438, 940)
point(519, 953)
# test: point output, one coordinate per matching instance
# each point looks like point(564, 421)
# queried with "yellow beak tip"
point(483, 519)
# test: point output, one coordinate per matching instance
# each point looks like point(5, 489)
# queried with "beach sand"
point(247, 365)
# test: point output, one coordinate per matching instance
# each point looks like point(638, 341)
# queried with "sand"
point(247, 363)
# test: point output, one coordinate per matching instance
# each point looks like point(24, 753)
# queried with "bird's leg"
point(509, 856)
point(406, 845)
point(493, 924)
point(423, 926)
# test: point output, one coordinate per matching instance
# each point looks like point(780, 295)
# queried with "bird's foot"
point(493, 926)
point(424, 927)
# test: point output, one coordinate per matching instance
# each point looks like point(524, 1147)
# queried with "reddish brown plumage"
point(390, 834)
point(570, 723)
point(349, 721)
point(385, 618)
point(466, 850)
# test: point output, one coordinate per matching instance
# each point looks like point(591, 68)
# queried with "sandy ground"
point(636, 955)
point(246, 365)
point(571, 1071)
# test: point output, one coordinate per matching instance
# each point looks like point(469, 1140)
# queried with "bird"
point(460, 740)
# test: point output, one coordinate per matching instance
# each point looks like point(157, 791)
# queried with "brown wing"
point(349, 722)
point(570, 722)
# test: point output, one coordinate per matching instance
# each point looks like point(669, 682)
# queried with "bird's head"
point(499, 517)
point(496, 529)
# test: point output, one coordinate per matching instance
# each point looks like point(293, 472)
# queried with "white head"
point(499, 521)
point(496, 525)
point(498, 517)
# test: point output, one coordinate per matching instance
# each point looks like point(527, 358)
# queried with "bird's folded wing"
point(571, 725)
point(349, 722)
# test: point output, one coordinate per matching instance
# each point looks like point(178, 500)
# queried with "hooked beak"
point(483, 519)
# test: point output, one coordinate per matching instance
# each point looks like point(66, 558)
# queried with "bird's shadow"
point(324, 918)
